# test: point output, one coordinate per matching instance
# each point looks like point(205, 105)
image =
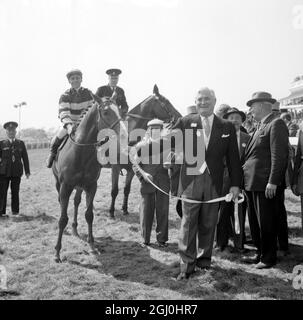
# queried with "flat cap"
point(10, 125)
point(113, 72)
point(74, 72)
point(155, 122)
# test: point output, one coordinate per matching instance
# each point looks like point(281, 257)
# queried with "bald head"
point(205, 101)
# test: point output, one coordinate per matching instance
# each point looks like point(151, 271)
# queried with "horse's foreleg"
point(65, 192)
point(89, 214)
point(115, 189)
point(77, 201)
point(128, 181)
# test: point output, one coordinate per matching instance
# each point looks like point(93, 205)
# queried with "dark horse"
point(155, 106)
point(77, 167)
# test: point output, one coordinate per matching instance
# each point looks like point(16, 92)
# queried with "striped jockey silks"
point(72, 103)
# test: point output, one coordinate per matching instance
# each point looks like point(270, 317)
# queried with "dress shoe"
point(3, 216)
point(15, 213)
point(145, 244)
point(262, 265)
point(183, 276)
point(161, 244)
point(251, 260)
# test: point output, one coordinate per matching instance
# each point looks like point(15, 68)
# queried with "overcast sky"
point(236, 47)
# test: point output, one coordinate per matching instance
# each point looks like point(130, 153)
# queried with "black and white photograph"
point(151, 151)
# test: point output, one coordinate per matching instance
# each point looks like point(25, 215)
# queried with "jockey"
point(72, 104)
point(113, 91)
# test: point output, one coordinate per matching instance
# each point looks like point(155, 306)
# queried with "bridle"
point(162, 104)
point(101, 107)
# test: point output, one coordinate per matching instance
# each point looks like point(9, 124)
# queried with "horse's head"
point(101, 115)
point(161, 108)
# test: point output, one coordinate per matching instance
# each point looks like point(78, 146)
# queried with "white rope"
point(227, 198)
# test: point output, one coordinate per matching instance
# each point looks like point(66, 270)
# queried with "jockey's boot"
point(55, 144)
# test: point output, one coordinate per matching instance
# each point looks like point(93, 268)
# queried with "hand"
point(270, 190)
point(235, 192)
point(294, 189)
point(149, 176)
point(167, 165)
point(27, 175)
point(69, 128)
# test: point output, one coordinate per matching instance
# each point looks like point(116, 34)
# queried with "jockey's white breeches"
point(62, 132)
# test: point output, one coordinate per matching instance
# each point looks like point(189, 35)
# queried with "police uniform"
point(13, 157)
point(108, 91)
point(153, 200)
point(72, 104)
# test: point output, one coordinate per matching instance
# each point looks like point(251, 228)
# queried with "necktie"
point(206, 126)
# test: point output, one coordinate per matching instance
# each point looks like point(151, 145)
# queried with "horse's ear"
point(156, 90)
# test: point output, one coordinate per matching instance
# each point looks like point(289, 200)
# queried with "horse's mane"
point(138, 107)
point(82, 116)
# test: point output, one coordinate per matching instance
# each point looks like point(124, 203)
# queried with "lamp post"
point(19, 105)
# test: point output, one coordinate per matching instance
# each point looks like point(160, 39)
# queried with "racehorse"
point(155, 106)
point(77, 167)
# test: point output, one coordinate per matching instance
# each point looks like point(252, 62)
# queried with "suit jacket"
point(156, 170)
point(297, 174)
point(13, 157)
point(106, 91)
point(222, 145)
point(266, 155)
point(244, 138)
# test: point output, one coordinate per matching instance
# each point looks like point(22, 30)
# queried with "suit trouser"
point(151, 202)
point(14, 182)
point(226, 225)
point(198, 224)
point(263, 220)
point(282, 223)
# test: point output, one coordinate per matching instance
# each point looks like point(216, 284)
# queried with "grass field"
point(122, 269)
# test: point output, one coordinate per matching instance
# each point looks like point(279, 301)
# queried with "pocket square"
point(225, 135)
point(193, 125)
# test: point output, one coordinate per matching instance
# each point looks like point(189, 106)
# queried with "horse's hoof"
point(58, 260)
point(125, 213)
point(112, 215)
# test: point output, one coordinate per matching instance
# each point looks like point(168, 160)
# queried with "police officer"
point(72, 104)
point(113, 91)
point(13, 157)
point(153, 200)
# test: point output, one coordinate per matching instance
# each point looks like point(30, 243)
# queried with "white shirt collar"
point(210, 119)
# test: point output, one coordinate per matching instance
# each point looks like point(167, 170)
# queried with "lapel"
point(216, 133)
point(256, 133)
point(243, 140)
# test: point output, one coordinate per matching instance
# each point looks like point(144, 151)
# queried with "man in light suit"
point(226, 224)
point(199, 220)
point(266, 160)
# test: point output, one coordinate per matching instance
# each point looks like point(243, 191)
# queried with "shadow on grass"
point(40, 217)
point(128, 261)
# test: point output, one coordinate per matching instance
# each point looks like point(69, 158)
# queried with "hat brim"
point(15, 125)
point(113, 72)
point(270, 100)
point(241, 113)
